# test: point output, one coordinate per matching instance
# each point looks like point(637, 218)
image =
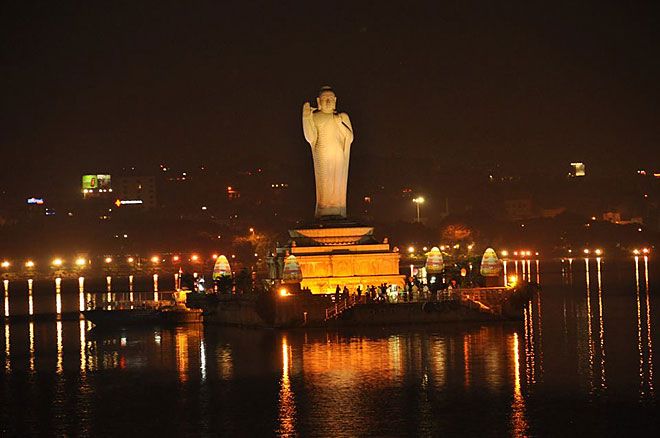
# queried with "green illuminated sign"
point(89, 182)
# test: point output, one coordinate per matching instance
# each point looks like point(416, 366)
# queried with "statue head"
point(326, 100)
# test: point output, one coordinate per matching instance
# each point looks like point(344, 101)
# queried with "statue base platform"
point(342, 253)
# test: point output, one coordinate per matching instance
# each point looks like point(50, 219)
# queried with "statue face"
point(327, 101)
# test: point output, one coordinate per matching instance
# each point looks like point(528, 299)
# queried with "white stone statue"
point(330, 134)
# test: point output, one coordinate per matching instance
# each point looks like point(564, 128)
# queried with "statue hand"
point(307, 110)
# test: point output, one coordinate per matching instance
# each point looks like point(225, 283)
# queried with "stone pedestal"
point(343, 253)
point(494, 281)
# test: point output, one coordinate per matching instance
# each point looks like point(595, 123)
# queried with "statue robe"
point(330, 136)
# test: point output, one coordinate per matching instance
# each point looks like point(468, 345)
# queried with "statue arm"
point(348, 132)
point(309, 129)
point(347, 127)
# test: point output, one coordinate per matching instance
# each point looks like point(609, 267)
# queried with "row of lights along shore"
point(599, 252)
point(82, 262)
point(526, 253)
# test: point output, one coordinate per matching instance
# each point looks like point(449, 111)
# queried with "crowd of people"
point(413, 290)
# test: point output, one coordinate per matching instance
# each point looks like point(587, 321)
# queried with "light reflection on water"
point(512, 379)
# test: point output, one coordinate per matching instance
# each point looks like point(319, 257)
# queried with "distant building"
point(578, 169)
point(96, 186)
point(518, 208)
point(612, 216)
point(615, 218)
point(232, 193)
point(136, 190)
point(552, 212)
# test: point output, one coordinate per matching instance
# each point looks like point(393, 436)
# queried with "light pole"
point(418, 200)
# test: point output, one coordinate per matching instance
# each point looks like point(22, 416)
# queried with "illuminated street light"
point(29, 264)
point(108, 259)
point(598, 252)
point(130, 260)
point(214, 256)
point(5, 264)
point(645, 250)
point(194, 257)
point(586, 251)
point(80, 261)
point(636, 252)
point(155, 259)
point(175, 258)
point(504, 253)
point(418, 200)
point(411, 249)
point(57, 262)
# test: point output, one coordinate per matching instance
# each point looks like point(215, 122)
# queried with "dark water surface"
point(581, 363)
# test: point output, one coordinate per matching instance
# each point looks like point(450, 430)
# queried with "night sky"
point(90, 86)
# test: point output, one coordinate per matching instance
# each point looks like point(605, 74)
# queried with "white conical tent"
point(490, 264)
point(221, 268)
point(434, 262)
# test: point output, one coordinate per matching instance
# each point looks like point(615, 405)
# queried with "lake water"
point(581, 363)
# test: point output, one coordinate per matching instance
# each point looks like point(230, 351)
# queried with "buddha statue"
point(330, 135)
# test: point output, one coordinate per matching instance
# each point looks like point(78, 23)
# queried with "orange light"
point(175, 258)
point(194, 257)
point(214, 256)
point(636, 251)
point(118, 203)
point(645, 251)
point(57, 262)
point(411, 249)
point(586, 251)
point(108, 259)
point(80, 261)
point(130, 260)
point(598, 252)
point(155, 259)
point(283, 292)
point(29, 264)
point(5, 264)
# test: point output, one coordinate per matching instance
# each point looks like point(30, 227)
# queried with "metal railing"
point(487, 298)
point(340, 306)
